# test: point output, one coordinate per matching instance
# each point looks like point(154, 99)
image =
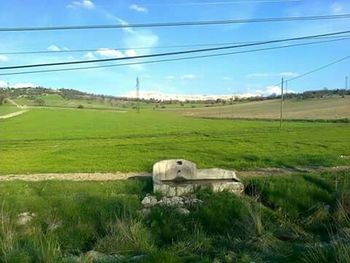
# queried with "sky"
point(247, 73)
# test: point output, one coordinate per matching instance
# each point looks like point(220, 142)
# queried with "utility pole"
point(281, 109)
point(137, 95)
point(346, 82)
point(286, 85)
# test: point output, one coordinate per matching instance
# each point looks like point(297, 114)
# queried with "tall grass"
point(8, 236)
point(280, 219)
point(126, 236)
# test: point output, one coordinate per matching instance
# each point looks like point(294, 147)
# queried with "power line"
point(165, 60)
point(315, 70)
point(224, 2)
point(171, 53)
point(319, 68)
point(141, 48)
point(178, 24)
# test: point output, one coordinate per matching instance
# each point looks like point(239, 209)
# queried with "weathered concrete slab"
point(177, 169)
point(216, 174)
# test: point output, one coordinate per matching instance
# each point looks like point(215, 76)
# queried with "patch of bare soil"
point(124, 176)
point(72, 176)
point(285, 171)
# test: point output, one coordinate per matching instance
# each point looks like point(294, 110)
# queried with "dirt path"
point(286, 171)
point(17, 105)
point(72, 176)
point(75, 108)
point(23, 109)
point(125, 176)
point(13, 114)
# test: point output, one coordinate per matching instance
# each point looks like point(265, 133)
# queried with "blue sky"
point(236, 74)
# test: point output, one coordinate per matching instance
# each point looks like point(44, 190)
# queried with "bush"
point(39, 101)
point(80, 106)
point(2, 99)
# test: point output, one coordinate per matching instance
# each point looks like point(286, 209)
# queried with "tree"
point(2, 99)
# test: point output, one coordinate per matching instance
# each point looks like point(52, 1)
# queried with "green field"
point(293, 218)
point(56, 100)
point(327, 108)
point(4, 110)
point(64, 140)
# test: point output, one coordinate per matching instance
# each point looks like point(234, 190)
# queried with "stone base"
point(183, 188)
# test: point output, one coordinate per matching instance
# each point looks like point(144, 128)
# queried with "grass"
point(299, 218)
point(327, 108)
point(73, 218)
point(4, 109)
point(63, 140)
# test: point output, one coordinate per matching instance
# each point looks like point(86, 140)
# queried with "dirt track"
point(72, 176)
point(125, 176)
point(23, 109)
point(13, 114)
point(285, 171)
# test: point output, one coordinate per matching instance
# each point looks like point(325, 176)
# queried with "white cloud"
point(110, 53)
point(130, 53)
point(138, 8)
point(337, 8)
point(134, 39)
point(188, 77)
point(24, 85)
point(226, 78)
point(271, 75)
point(124, 23)
point(288, 74)
point(3, 58)
point(272, 90)
point(3, 84)
point(142, 38)
point(53, 48)
point(269, 90)
point(154, 94)
point(169, 77)
point(89, 56)
point(87, 4)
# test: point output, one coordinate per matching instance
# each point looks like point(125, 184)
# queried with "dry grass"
point(328, 108)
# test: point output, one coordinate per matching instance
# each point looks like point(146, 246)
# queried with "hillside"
point(310, 105)
point(329, 108)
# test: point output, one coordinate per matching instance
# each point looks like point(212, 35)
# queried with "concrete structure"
point(179, 177)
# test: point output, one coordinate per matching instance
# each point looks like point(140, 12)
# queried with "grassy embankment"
point(300, 218)
point(53, 140)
